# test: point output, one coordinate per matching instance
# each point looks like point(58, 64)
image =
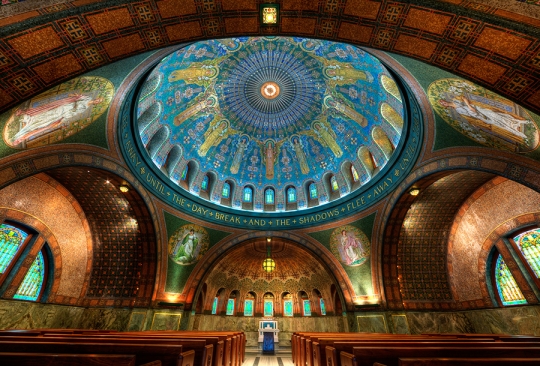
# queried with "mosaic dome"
point(307, 117)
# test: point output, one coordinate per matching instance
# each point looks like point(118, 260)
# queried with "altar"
point(268, 336)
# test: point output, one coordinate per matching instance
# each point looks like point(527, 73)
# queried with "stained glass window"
point(230, 307)
point(214, 306)
point(334, 183)
point(287, 308)
point(268, 308)
point(248, 194)
point(291, 195)
point(529, 245)
point(269, 196)
point(313, 194)
point(184, 173)
point(307, 308)
point(507, 287)
point(226, 191)
point(248, 308)
point(30, 288)
point(204, 183)
point(354, 173)
point(11, 240)
point(323, 307)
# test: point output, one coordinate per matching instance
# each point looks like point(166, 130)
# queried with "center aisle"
point(264, 360)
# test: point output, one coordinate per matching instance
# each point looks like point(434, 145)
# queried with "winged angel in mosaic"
point(483, 115)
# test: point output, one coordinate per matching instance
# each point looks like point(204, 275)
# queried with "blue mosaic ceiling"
point(270, 112)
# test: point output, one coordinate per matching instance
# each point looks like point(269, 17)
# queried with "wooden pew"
point(230, 352)
point(469, 361)
point(348, 346)
point(55, 359)
point(169, 355)
point(366, 356)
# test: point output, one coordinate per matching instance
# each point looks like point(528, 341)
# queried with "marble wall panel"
point(400, 325)
point(502, 202)
point(43, 201)
point(372, 323)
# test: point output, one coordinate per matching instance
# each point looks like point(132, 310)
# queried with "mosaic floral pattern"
point(529, 245)
point(58, 113)
point(30, 288)
point(484, 116)
point(188, 244)
point(267, 111)
point(11, 238)
point(508, 290)
point(350, 245)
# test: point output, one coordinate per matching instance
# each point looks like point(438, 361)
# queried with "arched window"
point(204, 183)
point(528, 244)
point(354, 174)
point(287, 305)
point(269, 196)
point(214, 306)
point(334, 184)
point(31, 286)
point(248, 194)
point(323, 306)
point(313, 194)
point(11, 240)
point(249, 304)
point(291, 195)
point(268, 309)
point(507, 288)
point(184, 173)
point(230, 307)
point(226, 190)
point(14, 241)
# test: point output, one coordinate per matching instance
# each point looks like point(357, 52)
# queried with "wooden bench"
point(469, 361)
point(366, 356)
point(55, 359)
point(169, 355)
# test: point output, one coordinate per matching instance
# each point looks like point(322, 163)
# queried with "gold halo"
point(270, 90)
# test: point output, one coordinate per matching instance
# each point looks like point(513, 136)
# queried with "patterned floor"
point(260, 360)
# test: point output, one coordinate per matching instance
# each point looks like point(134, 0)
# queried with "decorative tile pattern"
point(124, 250)
point(489, 53)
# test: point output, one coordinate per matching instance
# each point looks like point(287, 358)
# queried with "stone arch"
point(324, 256)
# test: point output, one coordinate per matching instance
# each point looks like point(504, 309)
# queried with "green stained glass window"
point(307, 308)
point(226, 191)
point(248, 308)
point(269, 196)
point(268, 308)
point(30, 287)
point(214, 306)
point(529, 245)
point(11, 240)
point(291, 195)
point(354, 173)
point(204, 183)
point(334, 183)
point(313, 194)
point(230, 307)
point(287, 308)
point(507, 287)
point(248, 194)
point(323, 307)
point(184, 173)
